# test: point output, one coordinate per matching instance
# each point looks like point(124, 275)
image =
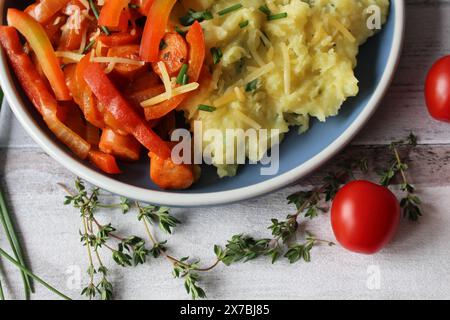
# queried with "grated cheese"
point(342, 29)
point(110, 67)
point(165, 78)
point(239, 91)
point(175, 92)
point(83, 42)
point(98, 49)
point(286, 68)
point(116, 60)
point(253, 47)
point(57, 21)
point(72, 56)
point(260, 72)
point(228, 97)
point(246, 119)
point(85, 3)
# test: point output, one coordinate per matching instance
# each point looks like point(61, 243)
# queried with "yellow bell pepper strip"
point(155, 28)
point(36, 90)
point(38, 40)
point(111, 13)
point(43, 11)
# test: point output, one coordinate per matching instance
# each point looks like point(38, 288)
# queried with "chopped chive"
point(14, 243)
point(277, 16)
point(181, 75)
point(89, 46)
point(185, 79)
point(97, 15)
point(243, 24)
point(225, 11)
point(216, 54)
point(180, 31)
point(193, 16)
point(251, 86)
point(265, 9)
point(204, 107)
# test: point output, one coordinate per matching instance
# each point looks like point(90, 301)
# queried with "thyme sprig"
point(398, 166)
point(283, 243)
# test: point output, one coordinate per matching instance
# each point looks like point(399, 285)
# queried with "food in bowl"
point(107, 76)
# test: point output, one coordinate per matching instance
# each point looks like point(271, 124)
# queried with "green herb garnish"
point(230, 9)
point(277, 16)
point(216, 54)
point(193, 16)
point(182, 77)
point(243, 24)
point(251, 86)
point(204, 107)
point(97, 16)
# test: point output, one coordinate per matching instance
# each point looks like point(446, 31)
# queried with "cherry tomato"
point(364, 216)
point(437, 90)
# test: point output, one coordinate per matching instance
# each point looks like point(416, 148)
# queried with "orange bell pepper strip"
point(123, 147)
point(197, 53)
point(119, 108)
point(111, 13)
point(43, 11)
point(37, 91)
point(155, 28)
point(38, 40)
point(105, 162)
point(168, 175)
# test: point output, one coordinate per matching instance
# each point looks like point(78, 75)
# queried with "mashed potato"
point(294, 67)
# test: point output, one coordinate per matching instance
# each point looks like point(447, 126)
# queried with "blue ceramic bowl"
point(299, 154)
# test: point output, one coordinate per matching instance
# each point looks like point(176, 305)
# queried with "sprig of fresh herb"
point(410, 203)
point(130, 251)
point(240, 248)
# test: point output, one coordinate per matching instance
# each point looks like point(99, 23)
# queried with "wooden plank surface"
point(415, 265)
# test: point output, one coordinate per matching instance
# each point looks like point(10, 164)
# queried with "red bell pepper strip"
point(104, 162)
point(155, 28)
point(38, 40)
point(46, 9)
point(36, 89)
point(197, 52)
point(111, 13)
point(144, 5)
point(122, 111)
point(120, 38)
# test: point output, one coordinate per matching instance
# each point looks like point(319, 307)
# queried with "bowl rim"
point(61, 155)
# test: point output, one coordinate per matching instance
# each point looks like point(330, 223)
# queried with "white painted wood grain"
point(414, 266)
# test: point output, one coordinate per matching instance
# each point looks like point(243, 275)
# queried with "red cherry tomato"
point(364, 216)
point(437, 90)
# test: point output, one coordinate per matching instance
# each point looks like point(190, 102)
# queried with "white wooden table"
point(415, 265)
